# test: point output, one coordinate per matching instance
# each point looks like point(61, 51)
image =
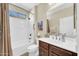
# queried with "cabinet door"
point(43, 52)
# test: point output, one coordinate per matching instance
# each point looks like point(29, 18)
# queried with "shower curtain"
point(5, 41)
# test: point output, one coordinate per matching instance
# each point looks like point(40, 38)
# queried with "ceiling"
point(27, 6)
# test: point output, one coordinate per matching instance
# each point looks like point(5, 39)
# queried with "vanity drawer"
point(43, 44)
point(60, 52)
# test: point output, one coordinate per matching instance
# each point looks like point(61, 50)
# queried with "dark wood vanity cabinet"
point(46, 49)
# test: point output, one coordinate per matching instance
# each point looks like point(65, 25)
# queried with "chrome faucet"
point(63, 37)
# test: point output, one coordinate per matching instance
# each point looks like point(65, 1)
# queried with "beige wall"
point(41, 15)
point(41, 10)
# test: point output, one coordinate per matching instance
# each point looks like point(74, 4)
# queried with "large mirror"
point(62, 19)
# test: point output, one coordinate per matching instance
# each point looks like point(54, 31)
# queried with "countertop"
point(68, 44)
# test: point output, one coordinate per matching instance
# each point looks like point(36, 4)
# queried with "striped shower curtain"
point(5, 41)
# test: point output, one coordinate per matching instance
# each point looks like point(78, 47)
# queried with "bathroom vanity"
point(52, 48)
point(63, 30)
